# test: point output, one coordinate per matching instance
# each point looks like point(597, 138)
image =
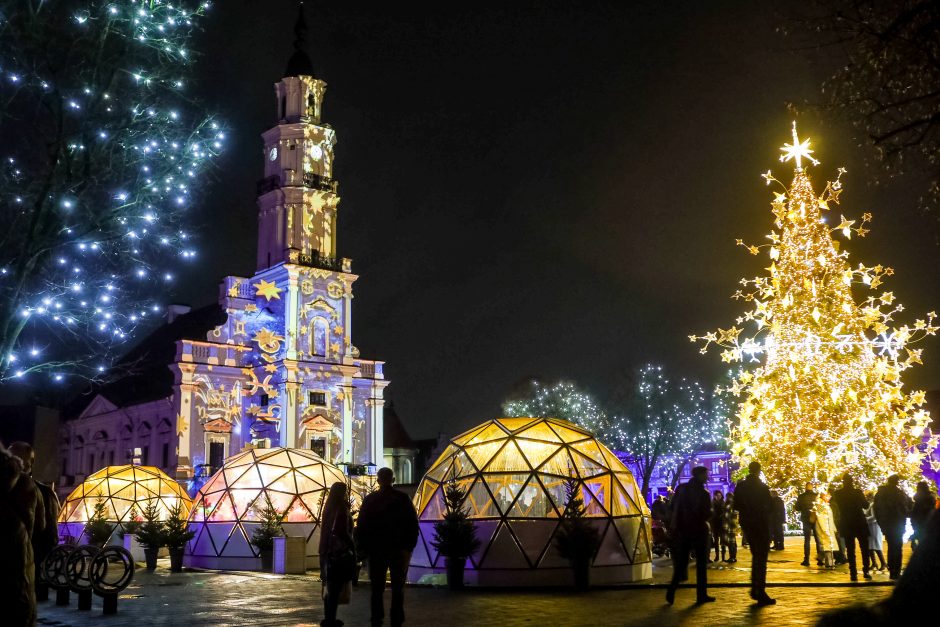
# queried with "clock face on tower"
point(316, 152)
point(273, 154)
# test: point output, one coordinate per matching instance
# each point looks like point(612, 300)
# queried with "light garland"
point(826, 396)
point(96, 191)
point(562, 400)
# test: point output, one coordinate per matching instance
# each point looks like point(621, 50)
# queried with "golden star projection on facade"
point(819, 380)
point(267, 289)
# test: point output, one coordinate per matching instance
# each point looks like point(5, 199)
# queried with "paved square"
point(205, 598)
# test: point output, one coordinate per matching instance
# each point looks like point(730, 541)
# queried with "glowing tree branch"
point(664, 422)
point(562, 400)
point(102, 153)
point(820, 386)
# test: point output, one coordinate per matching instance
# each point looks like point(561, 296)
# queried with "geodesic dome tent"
point(124, 490)
point(225, 510)
point(514, 472)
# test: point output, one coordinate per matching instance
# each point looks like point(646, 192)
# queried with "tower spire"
point(299, 63)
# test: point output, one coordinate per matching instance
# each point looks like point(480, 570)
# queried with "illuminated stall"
point(514, 472)
point(125, 491)
point(226, 509)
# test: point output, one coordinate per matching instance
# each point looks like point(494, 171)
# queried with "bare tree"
point(886, 80)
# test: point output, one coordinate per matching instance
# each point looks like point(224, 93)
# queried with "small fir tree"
point(150, 532)
point(132, 524)
point(577, 539)
point(456, 535)
point(176, 528)
point(98, 530)
point(271, 519)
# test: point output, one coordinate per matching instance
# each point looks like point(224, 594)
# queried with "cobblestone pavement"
point(206, 598)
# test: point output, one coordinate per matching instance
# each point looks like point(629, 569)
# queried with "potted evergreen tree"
point(455, 537)
point(577, 540)
point(176, 534)
point(150, 534)
point(98, 530)
point(263, 536)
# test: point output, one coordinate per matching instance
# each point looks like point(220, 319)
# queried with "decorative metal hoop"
point(112, 570)
point(54, 567)
point(78, 567)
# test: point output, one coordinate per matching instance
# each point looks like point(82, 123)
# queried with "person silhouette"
point(691, 510)
point(754, 502)
point(387, 532)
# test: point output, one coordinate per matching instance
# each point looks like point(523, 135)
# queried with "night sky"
point(543, 190)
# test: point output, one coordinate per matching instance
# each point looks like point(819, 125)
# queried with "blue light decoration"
point(104, 153)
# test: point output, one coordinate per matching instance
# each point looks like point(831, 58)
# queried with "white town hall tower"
point(281, 368)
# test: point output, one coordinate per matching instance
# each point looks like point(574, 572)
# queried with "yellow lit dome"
point(225, 510)
point(123, 490)
point(514, 472)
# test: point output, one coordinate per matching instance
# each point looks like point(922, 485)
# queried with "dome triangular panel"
point(534, 538)
point(540, 431)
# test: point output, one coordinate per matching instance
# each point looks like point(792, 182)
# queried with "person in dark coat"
point(892, 507)
point(691, 511)
point(387, 532)
point(778, 521)
point(717, 523)
point(924, 505)
point(45, 535)
point(754, 502)
point(17, 569)
point(337, 550)
point(852, 524)
point(659, 510)
point(805, 503)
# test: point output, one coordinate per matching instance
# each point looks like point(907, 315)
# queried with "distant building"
point(400, 449)
point(718, 463)
point(273, 363)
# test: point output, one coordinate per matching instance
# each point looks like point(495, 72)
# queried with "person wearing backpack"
point(337, 553)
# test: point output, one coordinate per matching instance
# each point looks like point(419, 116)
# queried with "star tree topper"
point(797, 151)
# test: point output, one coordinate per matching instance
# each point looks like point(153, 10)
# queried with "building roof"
point(143, 374)
point(299, 63)
point(394, 433)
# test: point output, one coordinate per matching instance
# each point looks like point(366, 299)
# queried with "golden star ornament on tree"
point(820, 373)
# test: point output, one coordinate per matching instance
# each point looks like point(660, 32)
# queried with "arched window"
point(320, 336)
point(283, 108)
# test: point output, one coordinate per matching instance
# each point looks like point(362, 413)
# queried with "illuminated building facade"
point(273, 364)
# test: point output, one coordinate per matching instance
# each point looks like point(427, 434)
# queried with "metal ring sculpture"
point(78, 567)
point(112, 570)
point(54, 569)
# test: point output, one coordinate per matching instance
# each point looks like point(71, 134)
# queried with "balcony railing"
point(336, 264)
point(309, 179)
point(212, 353)
point(370, 369)
point(315, 181)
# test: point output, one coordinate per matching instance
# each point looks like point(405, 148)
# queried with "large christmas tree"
point(820, 382)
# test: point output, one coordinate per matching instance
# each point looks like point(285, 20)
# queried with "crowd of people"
point(839, 519)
